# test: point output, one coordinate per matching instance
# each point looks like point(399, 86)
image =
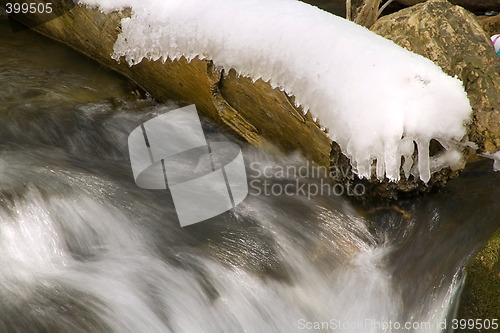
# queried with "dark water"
point(83, 249)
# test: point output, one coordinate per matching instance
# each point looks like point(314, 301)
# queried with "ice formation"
point(377, 99)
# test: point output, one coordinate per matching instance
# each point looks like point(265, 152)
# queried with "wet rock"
point(453, 38)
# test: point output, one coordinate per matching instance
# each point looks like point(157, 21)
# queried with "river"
point(83, 249)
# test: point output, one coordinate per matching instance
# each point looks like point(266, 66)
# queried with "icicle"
point(392, 159)
point(363, 168)
point(408, 163)
point(424, 168)
point(380, 167)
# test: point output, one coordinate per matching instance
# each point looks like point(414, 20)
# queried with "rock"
point(480, 297)
point(474, 5)
point(453, 38)
point(490, 24)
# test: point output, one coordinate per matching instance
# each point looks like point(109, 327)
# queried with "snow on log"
point(377, 99)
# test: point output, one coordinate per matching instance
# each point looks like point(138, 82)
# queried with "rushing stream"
point(83, 249)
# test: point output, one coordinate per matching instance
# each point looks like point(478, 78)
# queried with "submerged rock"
point(453, 38)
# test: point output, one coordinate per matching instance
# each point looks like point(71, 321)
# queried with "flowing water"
point(83, 249)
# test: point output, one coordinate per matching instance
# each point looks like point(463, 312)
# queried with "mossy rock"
point(481, 294)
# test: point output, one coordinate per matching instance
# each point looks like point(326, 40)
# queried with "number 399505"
point(476, 324)
point(31, 8)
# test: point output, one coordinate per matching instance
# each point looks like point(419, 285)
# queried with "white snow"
point(375, 98)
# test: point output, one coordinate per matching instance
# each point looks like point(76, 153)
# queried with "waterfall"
point(84, 249)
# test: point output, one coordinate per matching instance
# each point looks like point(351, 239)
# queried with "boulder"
point(473, 5)
point(453, 38)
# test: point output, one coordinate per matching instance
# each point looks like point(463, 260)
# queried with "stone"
point(474, 5)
